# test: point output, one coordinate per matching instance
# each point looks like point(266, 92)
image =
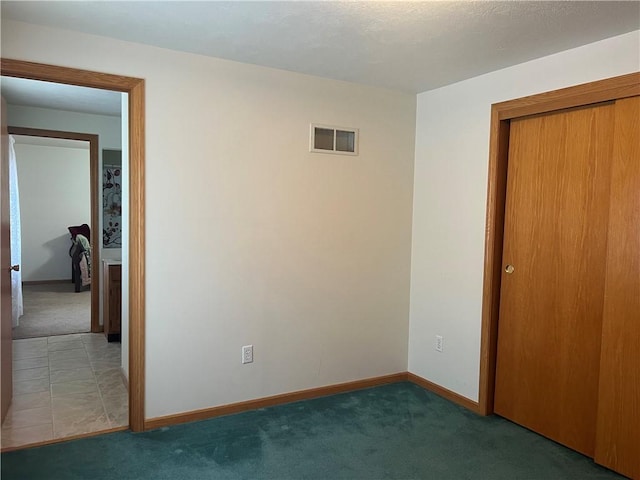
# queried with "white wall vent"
point(329, 139)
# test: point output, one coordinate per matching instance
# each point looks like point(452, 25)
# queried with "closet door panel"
point(618, 418)
point(552, 289)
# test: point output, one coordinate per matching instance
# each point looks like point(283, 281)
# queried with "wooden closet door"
point(555, 238)
point(618, 431)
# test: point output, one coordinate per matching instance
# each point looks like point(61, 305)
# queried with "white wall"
point(452, 149)
point(53, 183)
point(106, 127)
point(124, 327)
point(251, 239)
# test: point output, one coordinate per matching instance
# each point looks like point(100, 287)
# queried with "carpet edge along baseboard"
point(206, 413)
point(444, 393)
point(231, 408)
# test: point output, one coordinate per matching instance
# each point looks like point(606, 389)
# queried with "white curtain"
point(16, 254)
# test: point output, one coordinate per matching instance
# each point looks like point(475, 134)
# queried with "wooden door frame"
point(501, 115)
point(93, 179)
point(135, 88)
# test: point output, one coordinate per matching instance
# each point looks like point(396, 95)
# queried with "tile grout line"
point(50, 389)
point(104, 407)
point(75, 336)
point(53, 429)
point(95, 380)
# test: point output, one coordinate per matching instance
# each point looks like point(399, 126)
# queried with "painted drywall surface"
point(452, 149)
point(107, 127)
point(112, 253)
point(251, 239)
point(54, 194)
point(124, 251)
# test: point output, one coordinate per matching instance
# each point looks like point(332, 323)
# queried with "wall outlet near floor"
point(439, 343)
point(247, 354)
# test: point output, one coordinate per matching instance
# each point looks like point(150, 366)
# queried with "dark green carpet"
point(397, 431)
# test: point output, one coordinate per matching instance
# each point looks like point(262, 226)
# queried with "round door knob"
point(509, 269)
point(15, 268)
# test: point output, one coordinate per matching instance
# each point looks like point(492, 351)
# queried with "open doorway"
point(134, 89)
point(65, 383)
point(55, 212)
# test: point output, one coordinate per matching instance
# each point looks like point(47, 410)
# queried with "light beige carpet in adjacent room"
point(53, 309)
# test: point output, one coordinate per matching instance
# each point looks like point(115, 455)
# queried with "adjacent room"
point(54, 194)
point(361, 239)
point(66, 177)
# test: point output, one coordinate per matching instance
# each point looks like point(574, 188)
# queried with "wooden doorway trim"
point(93, 166)
point(134, 87)
point(501, 115)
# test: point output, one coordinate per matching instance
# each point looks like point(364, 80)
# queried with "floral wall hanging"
point(112, 207)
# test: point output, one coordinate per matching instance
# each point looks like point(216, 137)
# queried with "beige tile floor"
point(62, 386)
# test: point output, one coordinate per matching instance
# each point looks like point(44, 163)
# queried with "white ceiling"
point(412, 46)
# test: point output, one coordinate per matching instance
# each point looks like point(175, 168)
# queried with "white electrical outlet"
point(439, 343)
point(247, 354)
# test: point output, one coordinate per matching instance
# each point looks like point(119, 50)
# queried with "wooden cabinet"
point(112, 301)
